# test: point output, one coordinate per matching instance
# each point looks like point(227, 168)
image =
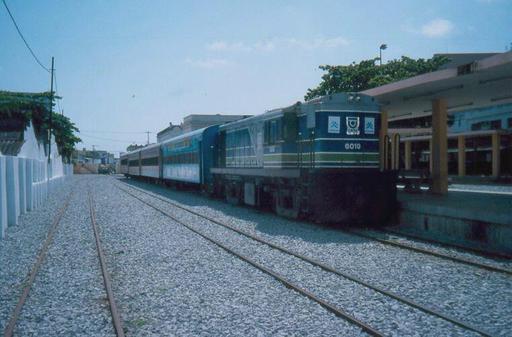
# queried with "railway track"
point(40, 259)
point(289, 284)
point(29, 281)
point(476, 251)
point(438, 254)
point(116, 317)
point(429, 310)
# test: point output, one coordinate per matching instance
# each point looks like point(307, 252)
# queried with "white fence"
point(24, 185)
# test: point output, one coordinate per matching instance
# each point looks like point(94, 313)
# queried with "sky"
point(126, 67)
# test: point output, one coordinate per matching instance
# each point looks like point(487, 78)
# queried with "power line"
point(107, 139)
point(23, 38)
point(103, 131)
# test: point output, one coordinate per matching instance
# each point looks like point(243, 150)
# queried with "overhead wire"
point(126, 132)
point(23, 38)
point(55, 78)
point(108, 139)
point(32, 51)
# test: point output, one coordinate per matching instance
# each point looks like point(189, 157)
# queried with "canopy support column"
point(496, 155)
point(408, 154)
point(382, 137)
point(439, 154)
point(461, 158)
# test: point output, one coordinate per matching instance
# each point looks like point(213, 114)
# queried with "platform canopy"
point(478, 81)
point(482, 82)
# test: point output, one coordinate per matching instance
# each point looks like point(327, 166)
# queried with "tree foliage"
point(134, 147)
point(26, 107)
point(367, 74)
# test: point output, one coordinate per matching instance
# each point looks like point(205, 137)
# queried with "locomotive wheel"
point(287, 202)
point(233, 194)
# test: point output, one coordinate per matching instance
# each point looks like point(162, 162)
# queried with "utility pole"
point(148, 132)
point(93, 153)
point(51, 113)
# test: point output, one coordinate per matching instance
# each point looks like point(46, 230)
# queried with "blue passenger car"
point(187, 158)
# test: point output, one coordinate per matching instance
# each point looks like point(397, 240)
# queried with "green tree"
point(26, 107)
point(367, 74)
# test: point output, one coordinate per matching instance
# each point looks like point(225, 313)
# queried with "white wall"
point(27, 179)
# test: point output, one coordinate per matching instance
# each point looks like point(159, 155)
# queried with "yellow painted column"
point(393, 151)
point(382, 134)
point(439, 154)
point(408, 154)
point(496, 155)
point(461, 157)
point(396, 149)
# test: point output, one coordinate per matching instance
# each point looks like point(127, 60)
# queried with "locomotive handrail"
point(385, 155)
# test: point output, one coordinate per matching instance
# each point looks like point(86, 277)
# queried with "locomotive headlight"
point(358, 98)
point(350, 98)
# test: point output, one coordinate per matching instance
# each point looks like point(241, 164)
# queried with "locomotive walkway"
point(168, 280)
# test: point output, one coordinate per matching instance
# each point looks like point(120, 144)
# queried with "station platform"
point(471, 216)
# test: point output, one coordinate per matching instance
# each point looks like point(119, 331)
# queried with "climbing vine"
point(17, 110)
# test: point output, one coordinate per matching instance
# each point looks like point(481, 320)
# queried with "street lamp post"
point(381, 48)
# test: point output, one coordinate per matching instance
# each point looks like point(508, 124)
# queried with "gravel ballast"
point(19, 249)
point(386, 315)
point(68, 297)
point(170, 281)
point(480, 297)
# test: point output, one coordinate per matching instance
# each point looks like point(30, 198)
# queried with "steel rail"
point(116, 317)
point(432, 311)
point(431, 252)
point(473, 250)
point(337, 311)
point(9, 330)
point(427, 251)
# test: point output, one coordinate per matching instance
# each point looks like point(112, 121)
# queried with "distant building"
point(93, 157)
point(194, 122)
point(169, 132)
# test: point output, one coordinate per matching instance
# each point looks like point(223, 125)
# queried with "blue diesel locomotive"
point(316, 160)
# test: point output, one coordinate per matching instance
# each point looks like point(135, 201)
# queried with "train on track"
point(318, 160)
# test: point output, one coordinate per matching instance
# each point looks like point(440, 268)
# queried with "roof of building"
point(478, 83)
point(11, 136)
point(10, 147)
point(458, 59)
point(170, 127)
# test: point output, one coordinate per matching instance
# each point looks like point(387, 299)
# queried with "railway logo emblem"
point(352, 125)
point(369, 125)
point(333, 124)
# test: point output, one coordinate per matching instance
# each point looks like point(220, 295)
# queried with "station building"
point(454, 121)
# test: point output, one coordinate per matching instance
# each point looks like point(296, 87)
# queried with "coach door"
point(306, 150)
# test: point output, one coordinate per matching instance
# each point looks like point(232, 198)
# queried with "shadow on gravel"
point(265, 221)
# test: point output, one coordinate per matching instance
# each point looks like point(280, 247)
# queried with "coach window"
point(268, 133)
point(273, 132)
